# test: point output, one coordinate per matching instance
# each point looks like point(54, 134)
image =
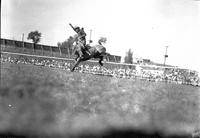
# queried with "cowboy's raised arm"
point(72, 26)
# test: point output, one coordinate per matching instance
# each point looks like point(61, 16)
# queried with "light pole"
point(165, 56)
point(90, 41)
point(23, 37)
point(23, 40)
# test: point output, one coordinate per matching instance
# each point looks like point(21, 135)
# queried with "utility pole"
point(165, 56)
point(23, 37)
point(90, 41)
point(23, 41)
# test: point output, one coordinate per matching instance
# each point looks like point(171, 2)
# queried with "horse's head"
point(100, 48)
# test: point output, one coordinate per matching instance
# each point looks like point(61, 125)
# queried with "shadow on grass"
point(112, 133)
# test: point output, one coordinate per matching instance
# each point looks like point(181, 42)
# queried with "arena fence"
point(8, 45)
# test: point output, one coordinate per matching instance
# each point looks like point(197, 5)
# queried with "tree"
point(35, 36)
point(68, 43)
point(129, 57)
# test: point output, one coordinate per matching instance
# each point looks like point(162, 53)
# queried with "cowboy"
point(81, 38)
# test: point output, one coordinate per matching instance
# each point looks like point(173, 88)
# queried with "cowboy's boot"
point(88, 52)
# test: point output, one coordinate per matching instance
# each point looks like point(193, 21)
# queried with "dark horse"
point(97, 51)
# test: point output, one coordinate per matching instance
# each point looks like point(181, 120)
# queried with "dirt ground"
point(42, 101)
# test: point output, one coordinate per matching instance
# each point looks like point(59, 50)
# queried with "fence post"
point(115, 59)
point(42, 50)
point(4, 42)
point(33, 47)
point(68, 52)
point(51, 51)
point(1, 46)
point(13, 42)
point(107, 58)
point(60, 51)
point(23, 45)
point(23, 41)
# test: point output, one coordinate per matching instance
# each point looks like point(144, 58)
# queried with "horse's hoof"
point(72, 70)
point(101, 64)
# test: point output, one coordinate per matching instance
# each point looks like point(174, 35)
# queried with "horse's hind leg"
point(100, 61)
point(76, 64)
point(76, 58)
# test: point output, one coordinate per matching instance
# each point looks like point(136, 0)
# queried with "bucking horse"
point(96, 51)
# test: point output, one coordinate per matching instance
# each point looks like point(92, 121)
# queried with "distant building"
point(143, 61)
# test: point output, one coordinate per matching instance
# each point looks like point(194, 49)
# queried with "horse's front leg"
point(78, 60)
point(100, 61)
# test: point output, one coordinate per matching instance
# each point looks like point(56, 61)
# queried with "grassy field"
point(42, 101)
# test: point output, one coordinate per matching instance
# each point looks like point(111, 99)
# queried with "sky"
point(144, 26)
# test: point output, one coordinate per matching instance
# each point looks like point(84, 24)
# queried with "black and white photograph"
point(100, 69)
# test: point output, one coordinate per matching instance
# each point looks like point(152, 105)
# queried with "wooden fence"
point(8, 45)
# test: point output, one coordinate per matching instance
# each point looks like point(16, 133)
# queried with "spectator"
point(168, 75)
